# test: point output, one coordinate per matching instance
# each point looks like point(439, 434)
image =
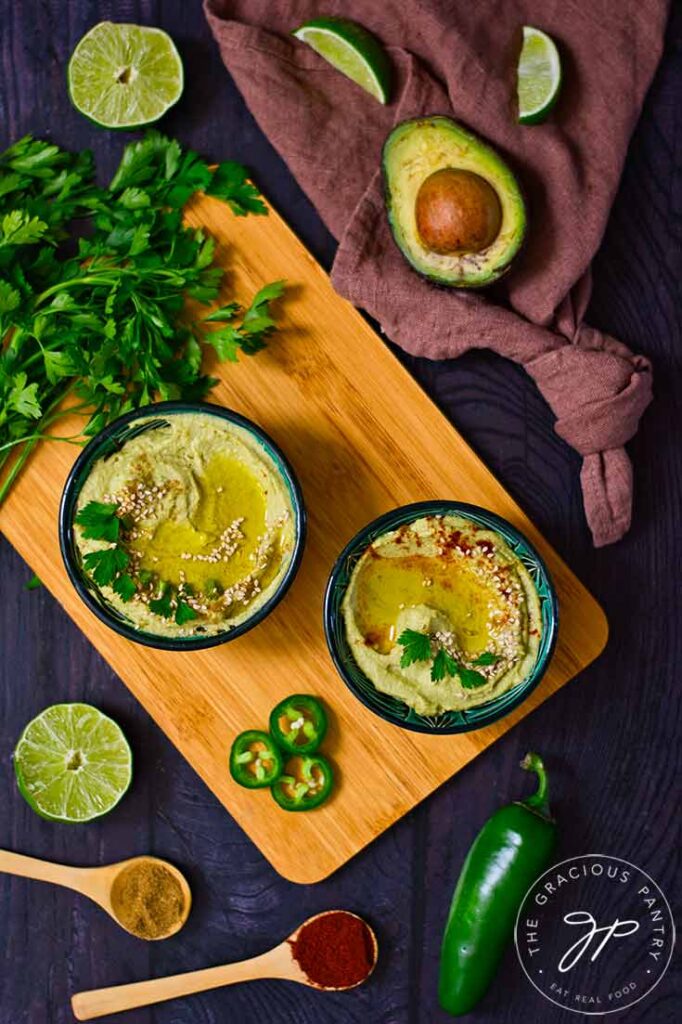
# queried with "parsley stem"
point(107, 277)
point(43, 437)
point(16, 469)
point(47, 417)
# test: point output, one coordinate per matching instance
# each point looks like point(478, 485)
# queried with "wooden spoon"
point(276, 963)
point(95, 883)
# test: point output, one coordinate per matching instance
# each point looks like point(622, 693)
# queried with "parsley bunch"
point(419, 647)
point(93, 284)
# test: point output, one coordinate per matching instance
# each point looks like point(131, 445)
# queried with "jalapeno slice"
point(305, 783)
point(255, 761)
point(298, 724)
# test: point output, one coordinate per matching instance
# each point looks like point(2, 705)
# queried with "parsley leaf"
point(230, 183)
point(104, 565)
point(223, 313)
point(34, 583)
point(10, 298)
point(57, 365)
point(23, 397)
point(417, 647)
point(99, 521)
point(18, 228)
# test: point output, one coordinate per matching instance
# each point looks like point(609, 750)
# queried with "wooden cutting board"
point(363, 438)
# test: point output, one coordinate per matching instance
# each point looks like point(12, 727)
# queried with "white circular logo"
point(594, 934)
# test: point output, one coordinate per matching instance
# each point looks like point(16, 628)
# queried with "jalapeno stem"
point(538, 801)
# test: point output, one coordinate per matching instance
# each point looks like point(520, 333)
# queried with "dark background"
point(609, 737)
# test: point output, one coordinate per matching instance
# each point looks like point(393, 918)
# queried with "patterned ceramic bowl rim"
point(392, 709)
point(111, 439)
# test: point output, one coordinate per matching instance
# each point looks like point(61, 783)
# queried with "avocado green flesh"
point(416, 149)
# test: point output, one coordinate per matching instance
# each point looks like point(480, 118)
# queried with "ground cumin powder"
point(147, 899)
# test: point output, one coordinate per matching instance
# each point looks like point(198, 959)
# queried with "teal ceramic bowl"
point(394, 710)
point(111, 439)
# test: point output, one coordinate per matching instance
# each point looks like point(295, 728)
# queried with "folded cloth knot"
point(462, 62)
point(597, 395)
point(598, 391)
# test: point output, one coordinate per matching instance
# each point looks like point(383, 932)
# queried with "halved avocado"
point(455, 208)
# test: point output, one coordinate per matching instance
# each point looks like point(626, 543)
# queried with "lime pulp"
point(539, 76)
point(125, 76)
point(72, 763)
point(352, 50)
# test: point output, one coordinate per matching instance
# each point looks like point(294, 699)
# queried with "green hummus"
point(206, 525)
point(461, 586)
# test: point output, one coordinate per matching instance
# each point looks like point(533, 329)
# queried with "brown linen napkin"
point(461, 61)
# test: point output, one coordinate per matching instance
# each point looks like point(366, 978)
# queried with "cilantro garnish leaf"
point(162, 604)
point(417, 647)
point(443, 664)
point(487, 658)
point(105, 564)
point(124, 586)
point(99, 521)
point(470, 678)
point(184, 613)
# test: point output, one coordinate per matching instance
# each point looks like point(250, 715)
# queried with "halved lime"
point(539, 76)
point(72, 763)
point(125, 76)
point(352, 50)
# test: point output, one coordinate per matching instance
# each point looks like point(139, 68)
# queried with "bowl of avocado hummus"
point(440, 616)
point(182, 525)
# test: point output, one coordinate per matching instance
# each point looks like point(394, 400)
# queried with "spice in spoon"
point(335, 950)
point(148, 900)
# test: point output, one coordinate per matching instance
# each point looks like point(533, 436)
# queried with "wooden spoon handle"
point(98, 1002)
point(40, 870)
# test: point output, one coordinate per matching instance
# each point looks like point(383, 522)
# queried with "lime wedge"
point(539, 76)
point(352, 50)
point(124, 76)
point(72, 763)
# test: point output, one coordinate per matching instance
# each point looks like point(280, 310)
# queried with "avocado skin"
point(476, 270)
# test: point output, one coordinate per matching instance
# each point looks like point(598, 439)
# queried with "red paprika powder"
point(335, 950)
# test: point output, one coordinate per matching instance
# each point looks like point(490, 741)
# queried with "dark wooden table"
point(609, 736)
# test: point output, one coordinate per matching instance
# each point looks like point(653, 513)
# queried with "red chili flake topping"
point(486, 545)
point(335, 950)
point(453, 540)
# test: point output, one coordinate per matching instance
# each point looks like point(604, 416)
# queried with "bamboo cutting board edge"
point(201, 721)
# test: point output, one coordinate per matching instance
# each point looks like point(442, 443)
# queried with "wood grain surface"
point(363, 438)
point(610, 737)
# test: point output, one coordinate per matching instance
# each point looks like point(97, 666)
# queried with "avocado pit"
point(457, 211)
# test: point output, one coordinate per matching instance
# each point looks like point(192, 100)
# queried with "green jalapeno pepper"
point(305, 783)
point(255, 761)
point(298, 724)
point(512, 849)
